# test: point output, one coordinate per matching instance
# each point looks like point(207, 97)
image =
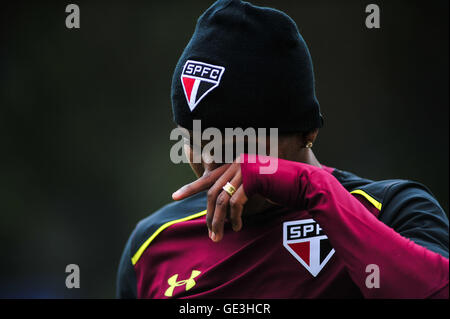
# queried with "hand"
point(219, 201)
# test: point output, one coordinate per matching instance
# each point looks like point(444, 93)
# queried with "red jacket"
point(336, 236)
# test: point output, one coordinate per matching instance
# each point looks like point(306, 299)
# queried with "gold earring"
point(309, 145)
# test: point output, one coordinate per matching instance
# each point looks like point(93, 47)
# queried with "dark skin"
point(213, 176)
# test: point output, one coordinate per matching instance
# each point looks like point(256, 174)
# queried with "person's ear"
point(309, 138)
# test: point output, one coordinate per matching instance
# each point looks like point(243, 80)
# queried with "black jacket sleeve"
point(126, 278)
point(412, 211)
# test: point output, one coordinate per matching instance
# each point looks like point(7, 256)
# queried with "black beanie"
point(245, 66)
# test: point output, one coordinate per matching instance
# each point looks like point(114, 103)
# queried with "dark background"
point(85, 120)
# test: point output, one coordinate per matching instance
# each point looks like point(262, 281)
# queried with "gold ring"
point(229, 189)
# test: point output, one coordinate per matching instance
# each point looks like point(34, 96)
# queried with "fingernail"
point(176, 194)
point(209, 234)
point(213, 236)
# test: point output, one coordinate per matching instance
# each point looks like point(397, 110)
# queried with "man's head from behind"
point(247, 67)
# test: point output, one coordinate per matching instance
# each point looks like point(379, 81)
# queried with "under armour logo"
point(172, 281)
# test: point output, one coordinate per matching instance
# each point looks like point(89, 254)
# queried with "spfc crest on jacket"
point(198, 79)
point(305, 240)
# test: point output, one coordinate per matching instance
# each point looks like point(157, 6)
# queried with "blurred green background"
point(85, 120)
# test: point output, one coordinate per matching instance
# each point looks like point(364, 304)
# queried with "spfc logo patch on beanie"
point(198, 79)
point(305, 240)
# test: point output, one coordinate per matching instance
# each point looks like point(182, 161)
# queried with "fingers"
point(201, 184)
point(237, 202)
point(218, 219)
point(222, 206)
point(215, 191)
point(219, 202)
